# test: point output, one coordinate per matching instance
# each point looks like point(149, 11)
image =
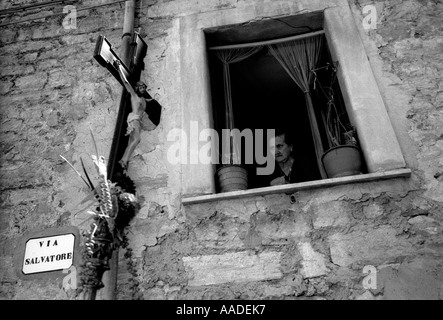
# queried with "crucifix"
point(142, 104)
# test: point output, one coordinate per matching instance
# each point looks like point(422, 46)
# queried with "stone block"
point(141, 241)
point(7, 273)
point(232, 267)
point(426, 224)
point(372, 211)
point(52, 119)
point(20, 196)
point(286, 224)
point(7, 36)
point(330, 214)
point(419, 279)
point(27, 46)
point(30, 57)
point(4, 222)
point(47, 64)
point(16, 70)
point(147, 231)
point(421, 220)
point(32, 82)
point(219, 234)
point(5, 86)
point(369, 245)
point(313, 263)
point(278, 291)
point(12, 125)
point(236, 209)
point(58, 78)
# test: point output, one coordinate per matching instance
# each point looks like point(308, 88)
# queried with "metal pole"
point(128, 30)
point(267, 42)
point(110, 277)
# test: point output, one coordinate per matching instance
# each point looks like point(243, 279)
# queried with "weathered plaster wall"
point(52, 90)
point(317, 247)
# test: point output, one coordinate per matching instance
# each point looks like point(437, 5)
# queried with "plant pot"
point(342, 161)
point(232, 177)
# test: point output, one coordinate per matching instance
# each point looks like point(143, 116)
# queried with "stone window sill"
point(290, 188)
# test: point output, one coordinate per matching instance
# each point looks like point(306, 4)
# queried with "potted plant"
point(343, 156)
point(231, 175)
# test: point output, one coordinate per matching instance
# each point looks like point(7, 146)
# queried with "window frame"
point(363, 100)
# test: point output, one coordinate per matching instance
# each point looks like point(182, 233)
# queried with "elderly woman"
point(286, 170)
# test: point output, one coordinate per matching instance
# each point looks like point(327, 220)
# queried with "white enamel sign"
point(48, 253)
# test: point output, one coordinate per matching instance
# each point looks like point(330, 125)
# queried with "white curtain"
point(298, 58)
point(228, 56)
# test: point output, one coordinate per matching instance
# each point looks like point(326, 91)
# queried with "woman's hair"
point(286, 134)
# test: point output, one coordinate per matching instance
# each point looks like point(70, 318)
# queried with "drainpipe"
point(110, 277)
point(128, 30)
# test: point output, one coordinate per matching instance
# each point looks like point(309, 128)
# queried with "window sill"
point(399, 173)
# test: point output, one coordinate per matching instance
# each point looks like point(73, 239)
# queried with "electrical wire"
point(35, 5)
point(61, 13)
point(290, 25)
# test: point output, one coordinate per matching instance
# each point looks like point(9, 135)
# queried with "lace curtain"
point(227, 57)
point(298, 58)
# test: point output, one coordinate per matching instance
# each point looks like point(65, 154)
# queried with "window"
point(363, 101)
point(265, 96)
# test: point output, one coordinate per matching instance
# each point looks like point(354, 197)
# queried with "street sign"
point(48, 253)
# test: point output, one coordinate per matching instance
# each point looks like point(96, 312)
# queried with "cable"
point(290, 25)
point(35, 5)
point(61, 13)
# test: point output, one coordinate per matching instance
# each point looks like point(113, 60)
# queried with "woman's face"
point(280, 149)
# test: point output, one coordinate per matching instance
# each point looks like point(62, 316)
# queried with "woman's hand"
point(278, 181)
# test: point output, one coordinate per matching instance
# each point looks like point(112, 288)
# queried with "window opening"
point(263, 95)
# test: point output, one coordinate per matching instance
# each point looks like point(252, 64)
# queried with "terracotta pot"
point(232, 177)
point(342, 161)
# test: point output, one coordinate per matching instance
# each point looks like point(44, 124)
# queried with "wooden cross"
point(106, 56)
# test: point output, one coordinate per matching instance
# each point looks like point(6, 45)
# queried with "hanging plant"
point(342, 156)
point(338, 129)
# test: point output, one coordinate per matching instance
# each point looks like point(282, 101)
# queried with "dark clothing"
point(296, 175)
point(153, 109)
point(302, 170)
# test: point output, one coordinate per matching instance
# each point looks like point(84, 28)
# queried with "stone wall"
point(52, 92)
point(313, 244)
point(269, 247)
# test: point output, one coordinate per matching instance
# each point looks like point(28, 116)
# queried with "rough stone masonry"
point(261, 247)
